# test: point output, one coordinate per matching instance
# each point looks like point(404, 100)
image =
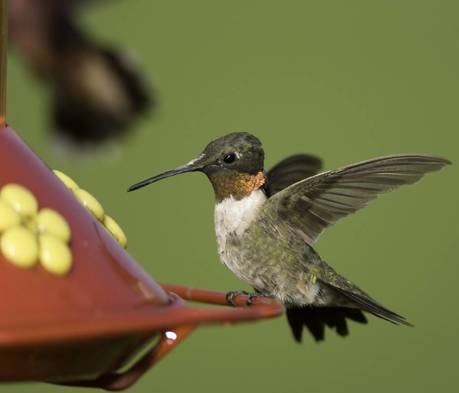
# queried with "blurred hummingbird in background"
point(97, 90)
point(267, 223)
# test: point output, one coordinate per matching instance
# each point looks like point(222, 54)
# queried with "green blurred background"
point(347, 80)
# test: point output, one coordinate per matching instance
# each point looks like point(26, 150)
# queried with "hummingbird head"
point(233, 164)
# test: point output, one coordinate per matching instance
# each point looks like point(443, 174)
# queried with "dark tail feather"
point(365, 303)
point(315, 319)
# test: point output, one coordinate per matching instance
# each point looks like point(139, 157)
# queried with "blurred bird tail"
point(99, 92)
point(136, 84)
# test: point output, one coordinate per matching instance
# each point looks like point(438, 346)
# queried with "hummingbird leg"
point(232, 294)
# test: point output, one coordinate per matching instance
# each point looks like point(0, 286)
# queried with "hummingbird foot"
point(251, 297)
point(233, 294)
point(230, 297)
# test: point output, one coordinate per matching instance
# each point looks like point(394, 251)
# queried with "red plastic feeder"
point(82, 327)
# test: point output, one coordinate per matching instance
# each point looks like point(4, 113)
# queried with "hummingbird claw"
point(250, 298)
point(232, 294)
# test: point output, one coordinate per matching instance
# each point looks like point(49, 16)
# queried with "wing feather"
point(291, 170)
point(313, 204)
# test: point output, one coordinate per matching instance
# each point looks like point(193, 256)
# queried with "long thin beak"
point(190, 167)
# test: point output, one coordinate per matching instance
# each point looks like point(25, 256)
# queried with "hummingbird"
point(267, 224)
point(97, 89)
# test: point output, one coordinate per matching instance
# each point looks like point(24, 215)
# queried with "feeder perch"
point(77, 306)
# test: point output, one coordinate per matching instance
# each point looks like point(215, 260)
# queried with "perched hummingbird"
point(268, 222)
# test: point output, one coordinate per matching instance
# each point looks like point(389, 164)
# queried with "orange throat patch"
point(236, 184)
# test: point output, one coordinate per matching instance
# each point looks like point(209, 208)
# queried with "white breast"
point(232, 218)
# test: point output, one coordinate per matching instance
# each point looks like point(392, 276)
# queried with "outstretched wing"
point(291, 170)
point(311, 205)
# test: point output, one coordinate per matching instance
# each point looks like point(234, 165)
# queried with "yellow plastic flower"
point(29, 236)
point(94, 207)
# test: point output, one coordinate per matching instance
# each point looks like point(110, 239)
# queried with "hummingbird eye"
point(229, 158)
